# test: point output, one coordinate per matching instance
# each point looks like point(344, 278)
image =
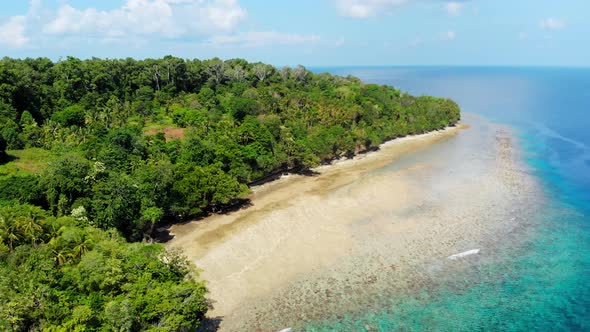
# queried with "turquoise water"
point(543, 283)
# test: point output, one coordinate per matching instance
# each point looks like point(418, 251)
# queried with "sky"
point(307, 32)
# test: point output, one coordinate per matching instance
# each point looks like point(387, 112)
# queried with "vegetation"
point(2, 148)
point(104, 131)
point(58, 274)
point(100, 151)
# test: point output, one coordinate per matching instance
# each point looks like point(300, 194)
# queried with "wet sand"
point(349, 238)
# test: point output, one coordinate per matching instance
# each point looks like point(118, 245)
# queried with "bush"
point(71, 116)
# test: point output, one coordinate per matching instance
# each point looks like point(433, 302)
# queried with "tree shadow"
point(233, 206)
point(6, 158)
point(210, 324)
point(306, 171)
point(162, 233)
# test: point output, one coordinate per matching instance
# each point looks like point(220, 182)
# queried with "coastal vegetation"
point(97, 153)
point(59, 274)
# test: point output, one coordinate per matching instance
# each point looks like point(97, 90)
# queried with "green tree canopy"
point(86, 279)
point(138, 142)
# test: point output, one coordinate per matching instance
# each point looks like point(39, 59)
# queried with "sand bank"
point(365, 228)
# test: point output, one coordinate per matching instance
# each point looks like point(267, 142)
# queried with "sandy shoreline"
point(363, 228)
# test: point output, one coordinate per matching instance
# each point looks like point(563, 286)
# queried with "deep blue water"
point(545, 285)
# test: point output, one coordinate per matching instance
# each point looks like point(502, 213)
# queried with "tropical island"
point(97, 154)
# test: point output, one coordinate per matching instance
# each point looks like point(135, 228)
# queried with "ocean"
point(543, 284)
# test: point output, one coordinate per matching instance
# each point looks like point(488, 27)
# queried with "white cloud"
point(162, 18)
point(261, 38)
point(370, 8)
point(366, 8)
point(222, 14)
point(453, 8)
point(553, 24)
point(141, 22)
point(448, 35)
point(12, 33)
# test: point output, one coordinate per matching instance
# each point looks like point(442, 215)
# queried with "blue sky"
point(308, 32)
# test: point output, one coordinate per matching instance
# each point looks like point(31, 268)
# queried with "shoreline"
point(429, 138)
point(399, 146)
point(364, 227)
point(278, 174)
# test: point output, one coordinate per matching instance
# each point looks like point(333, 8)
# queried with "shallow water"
point(537, 277)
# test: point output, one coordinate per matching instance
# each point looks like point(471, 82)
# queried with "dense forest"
point(96, 153)
point(58, 275)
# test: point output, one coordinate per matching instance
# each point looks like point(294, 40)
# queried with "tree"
point(235, 74)
point(27, 120)
point(9, 231)
point(196, 188)
point(71, 116)
point(115, 203)
point(216, 69)
point(261, 71)
point(64, 179)
point(21, 224)
point(30, 227)
point(150, 217)
point(285, 73)
point(300, 73)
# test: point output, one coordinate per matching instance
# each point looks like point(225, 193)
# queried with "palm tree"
point(61, 256)
point(52, 230)
point(9, 231)
point(83, 246)
point(82, 134)
point(30, 227)
point(59, 252)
